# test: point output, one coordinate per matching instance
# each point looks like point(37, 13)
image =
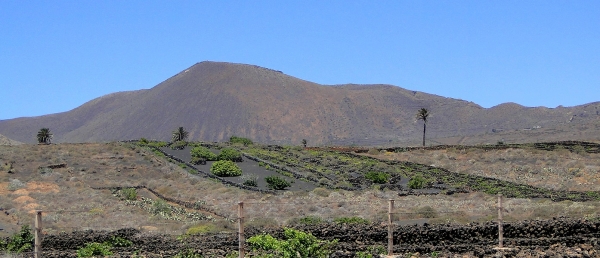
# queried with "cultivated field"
point(76, 187)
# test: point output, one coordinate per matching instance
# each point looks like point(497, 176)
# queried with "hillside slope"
point(215, 100)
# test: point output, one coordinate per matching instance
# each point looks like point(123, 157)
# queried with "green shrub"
point(178, 145)
point(225, 168)
point(351, 220)
point(19, 242)
point(244, 141)
point(94, 249)
point(200, 229)
point(203, 152)
point(417, 182)
point(198, 161)
point(160, 207)
point(277, 183)
point(377, 177)
point(310, 220)
point(230, 154)
point(143, 141)
point(117, 241)
point(296, 244)
point(250, 180)
point(129, 194)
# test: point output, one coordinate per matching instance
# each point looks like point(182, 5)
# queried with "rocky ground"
point(560, 237)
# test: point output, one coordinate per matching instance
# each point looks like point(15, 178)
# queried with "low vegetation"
point(240, 140)
point(277, 183)
point(225, 168)
point(295, 244)
point(350, 187)
point(19, 242)
point(103, 249)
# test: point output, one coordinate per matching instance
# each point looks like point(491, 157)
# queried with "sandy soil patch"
point(4, 188)
point(31, 208)
point(42, 187)
point(23, 199)
point(21, 192)
point(149, 228)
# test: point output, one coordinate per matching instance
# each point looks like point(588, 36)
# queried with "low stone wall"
point(477, 239)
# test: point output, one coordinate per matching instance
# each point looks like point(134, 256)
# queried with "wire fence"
point(250, 215)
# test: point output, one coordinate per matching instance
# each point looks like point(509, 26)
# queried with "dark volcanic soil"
point(249, 167)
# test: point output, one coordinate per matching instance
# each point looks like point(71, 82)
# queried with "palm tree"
point(180, 134)
point(44, 136)
point(422, 114)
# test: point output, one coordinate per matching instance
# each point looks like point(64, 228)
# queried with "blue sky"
point(57, 55)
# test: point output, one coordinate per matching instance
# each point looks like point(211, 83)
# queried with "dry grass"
point(69, 202)
point(560, 170)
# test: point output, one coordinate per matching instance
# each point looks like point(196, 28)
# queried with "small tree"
point(180, 134)
point(422, 114)
point(44, 136)
point(304, 142)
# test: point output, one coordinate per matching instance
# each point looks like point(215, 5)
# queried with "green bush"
point(351, 220)
point(310, 220)
point(178, 145)
point(94, 249)
point(117, 241)
point(377, 177)
point(129, 194)
point(244, 141)
point(143, 141)
point(296, 244)
point(277, 183)
point(198, 161)
point(230, 154)
point(203, 152)
point(200, 229)
point(250, 180)
point(160, 207)
point(417, 182)
point(18, 242)
point(225, 168)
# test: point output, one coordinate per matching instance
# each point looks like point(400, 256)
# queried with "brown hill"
point(214, 100)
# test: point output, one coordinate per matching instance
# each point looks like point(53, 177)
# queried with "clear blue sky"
point(57, 55)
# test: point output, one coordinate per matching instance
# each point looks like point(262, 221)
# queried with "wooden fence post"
point(241, 229)
point(37, 248)
point(390, 228)
point(500, 233)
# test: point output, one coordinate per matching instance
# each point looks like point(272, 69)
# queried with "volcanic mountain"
point(215, 100)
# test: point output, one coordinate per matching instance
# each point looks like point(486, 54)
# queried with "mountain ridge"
point(214, 100)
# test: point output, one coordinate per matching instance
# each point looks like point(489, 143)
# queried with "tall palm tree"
point(422, 114)
point(180, 134)
point(44, 136)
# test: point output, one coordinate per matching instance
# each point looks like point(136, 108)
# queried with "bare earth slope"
point(6, 141)
point(215, 100)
